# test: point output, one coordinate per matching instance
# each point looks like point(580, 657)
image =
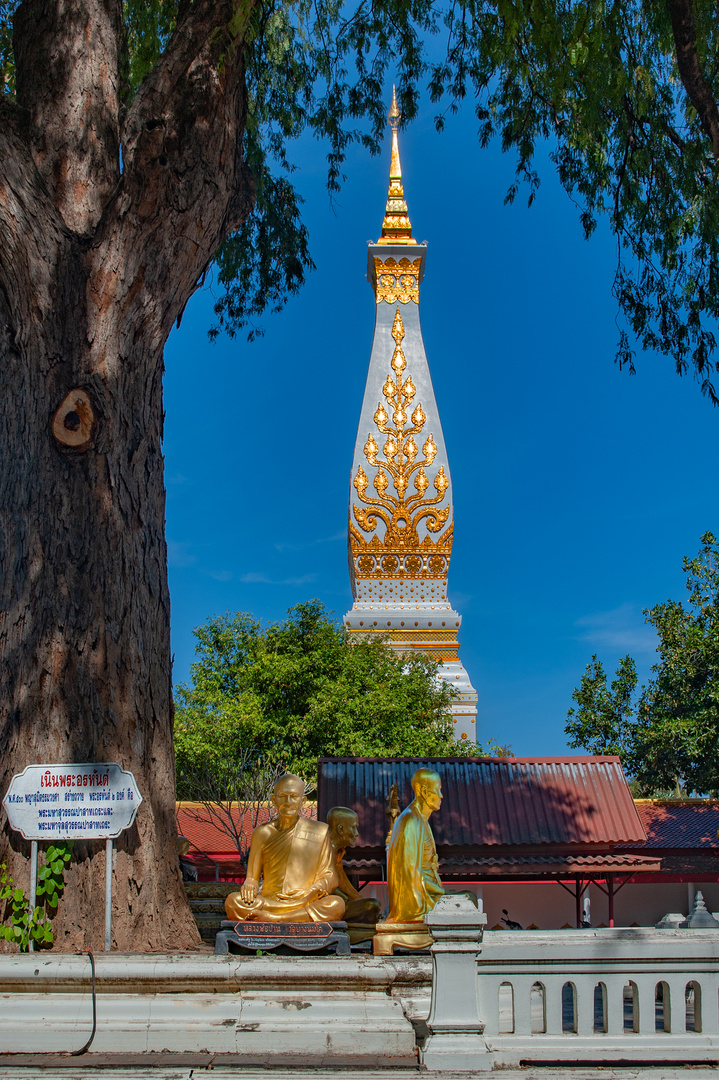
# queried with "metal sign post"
point(108, 895)
point(73, 802)
point(33, 887)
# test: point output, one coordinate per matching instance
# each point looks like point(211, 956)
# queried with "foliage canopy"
point(668, 734)
point(299, 690)
point(625, 92)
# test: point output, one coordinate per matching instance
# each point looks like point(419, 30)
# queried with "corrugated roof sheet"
point(492, 801)
point(682, 824)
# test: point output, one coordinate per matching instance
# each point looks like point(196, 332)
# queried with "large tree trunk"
point(95, 266)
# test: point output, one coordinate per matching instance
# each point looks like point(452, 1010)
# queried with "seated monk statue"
point(294, 859)
point(343, 834)
point(412, 878)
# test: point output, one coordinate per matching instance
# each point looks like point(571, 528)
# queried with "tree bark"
point(96, 264)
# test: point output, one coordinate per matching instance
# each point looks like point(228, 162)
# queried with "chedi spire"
point(396, 227)
point(401, 518)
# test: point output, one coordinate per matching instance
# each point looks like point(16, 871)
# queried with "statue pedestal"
point(414, 935)
point(293, 937)
point(359, 932)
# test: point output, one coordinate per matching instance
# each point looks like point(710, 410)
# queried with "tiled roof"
point(576, 802)
point(206, 836)
point(680, 823)
point(530, 865)
point(553, 864)
point(694, 863)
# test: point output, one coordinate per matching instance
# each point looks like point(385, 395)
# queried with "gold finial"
point(396, 227)
point(394, 115)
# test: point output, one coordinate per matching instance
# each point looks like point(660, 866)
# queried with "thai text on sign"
point(284, 930)
point(65, 802)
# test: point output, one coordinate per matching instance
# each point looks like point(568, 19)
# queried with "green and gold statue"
point(295, 861)
point(363, 910)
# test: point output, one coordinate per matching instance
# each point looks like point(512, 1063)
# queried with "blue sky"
point(577, 488)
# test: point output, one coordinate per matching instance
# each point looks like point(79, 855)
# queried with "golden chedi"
point(344, 830)
point(293, 859)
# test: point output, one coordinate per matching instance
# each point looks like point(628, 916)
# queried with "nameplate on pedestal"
point(300, 937)
point(294, 930)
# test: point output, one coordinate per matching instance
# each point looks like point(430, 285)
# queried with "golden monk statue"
point(295, 861)
point(412, 878)
point(343, 834)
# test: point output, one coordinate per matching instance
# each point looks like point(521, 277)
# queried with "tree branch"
point(690, 71)
point(68, 78)
point(184, 183)
point(33, 234)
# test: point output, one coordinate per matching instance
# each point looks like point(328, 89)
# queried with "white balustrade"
point(634, 994)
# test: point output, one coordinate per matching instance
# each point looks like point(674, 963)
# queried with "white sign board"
point(72, 802)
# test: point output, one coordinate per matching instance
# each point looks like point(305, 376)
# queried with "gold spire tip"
point(396, 227)
point(395, 113)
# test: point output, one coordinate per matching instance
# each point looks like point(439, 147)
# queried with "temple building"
point(401, 520)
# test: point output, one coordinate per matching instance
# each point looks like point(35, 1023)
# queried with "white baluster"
point(646, 1003)
point(615, 1005)
point(553, 1003)
point(522, 1004)
point(585, 1004)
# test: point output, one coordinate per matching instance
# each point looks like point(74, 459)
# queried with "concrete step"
point(207, 903)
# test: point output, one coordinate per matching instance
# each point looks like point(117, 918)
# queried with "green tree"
point(299, 690)
point(667, 734)
point(142, 142)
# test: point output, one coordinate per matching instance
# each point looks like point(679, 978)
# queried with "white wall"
point(548, 906)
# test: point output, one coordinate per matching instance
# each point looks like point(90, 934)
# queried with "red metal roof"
point(582, 801)
point(687, 827)
point(680, 824)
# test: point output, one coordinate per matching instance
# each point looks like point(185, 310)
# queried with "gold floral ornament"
point(397, 282)
point(402, 469)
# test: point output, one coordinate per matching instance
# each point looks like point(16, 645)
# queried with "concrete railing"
point(631, 994)
point(497, 1000)
point(251, 1010)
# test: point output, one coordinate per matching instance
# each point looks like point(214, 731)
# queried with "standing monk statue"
point(294, 859)
point(343, 834)
point(412, 878)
